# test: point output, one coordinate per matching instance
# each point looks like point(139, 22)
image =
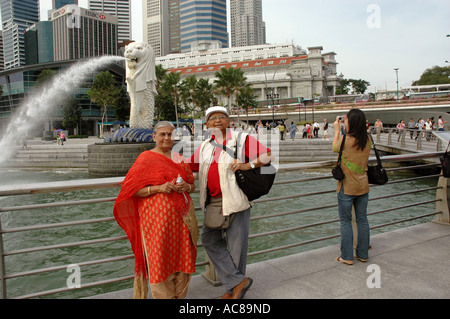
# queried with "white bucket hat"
point(216, 109)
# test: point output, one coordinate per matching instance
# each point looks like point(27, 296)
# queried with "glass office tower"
point(17, 16)
point(203, 21)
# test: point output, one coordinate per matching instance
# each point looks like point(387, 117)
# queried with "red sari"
point(161, 227)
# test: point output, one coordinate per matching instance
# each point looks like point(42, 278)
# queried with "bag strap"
point(340, 151)
point(446, 151)
point(375, 150)
point(233, 154)
point(226, 149)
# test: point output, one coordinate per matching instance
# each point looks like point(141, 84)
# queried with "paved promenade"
point(410, 263)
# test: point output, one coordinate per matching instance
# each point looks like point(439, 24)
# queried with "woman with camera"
point(353, 190)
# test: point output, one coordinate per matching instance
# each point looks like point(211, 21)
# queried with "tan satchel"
point(214, 218)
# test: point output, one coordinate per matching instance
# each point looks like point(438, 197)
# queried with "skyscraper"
point(155, 20)
point(203, 21)
point(17, 16)
point(56, 4)
point(79, 33)
point(247, 26)
point(121, 9)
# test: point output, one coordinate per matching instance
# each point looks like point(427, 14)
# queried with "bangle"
point(189, 188)
point(148, 190)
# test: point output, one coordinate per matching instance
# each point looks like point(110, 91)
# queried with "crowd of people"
point(155, 208)
point(415, 128)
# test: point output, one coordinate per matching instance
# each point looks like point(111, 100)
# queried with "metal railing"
point(8, 271)
point(416, 137)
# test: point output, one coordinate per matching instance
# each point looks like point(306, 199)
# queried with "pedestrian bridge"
point(296, 260)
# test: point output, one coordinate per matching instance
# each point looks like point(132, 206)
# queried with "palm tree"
point(170, 85)
point(187, 89)
point(160, 73)
point(247, 98)
point(228, 82)
point(204, 94)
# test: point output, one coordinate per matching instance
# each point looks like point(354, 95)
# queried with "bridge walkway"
point(409, 263)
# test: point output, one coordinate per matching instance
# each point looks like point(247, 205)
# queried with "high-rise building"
point(155, 20)
point(39, 43)
point(79, 33)
point(247, 25)
point(203, 21)
point(2, 57)
point(17, 16)
point(119, 8)
point(56, 4)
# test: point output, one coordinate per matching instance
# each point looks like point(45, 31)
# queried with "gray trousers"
point(228, 248)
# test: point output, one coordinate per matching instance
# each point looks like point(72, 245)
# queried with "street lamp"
point(396, 71)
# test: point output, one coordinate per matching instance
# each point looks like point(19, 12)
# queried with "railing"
point(61, 251)
point(412, 136)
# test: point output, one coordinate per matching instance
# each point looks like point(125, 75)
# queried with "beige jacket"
point(233, 199)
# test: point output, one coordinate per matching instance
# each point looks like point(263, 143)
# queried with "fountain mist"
point(38, 105)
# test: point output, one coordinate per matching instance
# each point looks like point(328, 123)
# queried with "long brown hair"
point(357, 129)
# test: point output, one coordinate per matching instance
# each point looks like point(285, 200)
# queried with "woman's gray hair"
point(162, 124)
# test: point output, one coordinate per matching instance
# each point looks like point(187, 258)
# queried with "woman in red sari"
point(158, 216)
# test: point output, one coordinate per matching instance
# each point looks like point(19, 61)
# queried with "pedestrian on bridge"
point(353, 190)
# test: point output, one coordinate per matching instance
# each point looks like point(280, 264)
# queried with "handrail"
point(92, 184)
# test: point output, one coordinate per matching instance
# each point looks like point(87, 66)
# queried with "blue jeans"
point(228, 250)
point(345, 204)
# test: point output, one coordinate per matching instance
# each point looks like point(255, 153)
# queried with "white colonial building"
point(286, 70)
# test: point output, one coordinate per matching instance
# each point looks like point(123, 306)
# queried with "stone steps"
point(75, 155)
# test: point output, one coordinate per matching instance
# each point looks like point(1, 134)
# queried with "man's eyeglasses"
point(215, 118)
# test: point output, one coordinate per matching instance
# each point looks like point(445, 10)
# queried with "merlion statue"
point(141, 84)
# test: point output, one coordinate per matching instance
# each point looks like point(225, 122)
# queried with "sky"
point(371, 38)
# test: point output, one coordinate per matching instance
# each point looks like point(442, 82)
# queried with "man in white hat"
point(227, 248)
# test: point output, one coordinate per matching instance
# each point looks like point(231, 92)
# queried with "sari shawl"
point(152, 168)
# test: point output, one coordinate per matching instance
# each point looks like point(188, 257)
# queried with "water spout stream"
point(39, 104)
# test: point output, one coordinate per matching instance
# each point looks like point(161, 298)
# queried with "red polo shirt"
point(252, 153)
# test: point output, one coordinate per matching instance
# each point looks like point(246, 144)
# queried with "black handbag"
point(445, 161)
point(337, 172)
point(377, 174)
point(255, 182)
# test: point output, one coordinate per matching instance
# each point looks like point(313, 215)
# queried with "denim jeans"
point(228, 249)
point(345, 204)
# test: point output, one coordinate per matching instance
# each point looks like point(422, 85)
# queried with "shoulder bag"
point(377, 174)
point(445, 161)
point(214, 218)
point(255, 182)
point(337, 172)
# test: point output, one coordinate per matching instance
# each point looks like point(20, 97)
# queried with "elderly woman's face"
point(218, 121)
point(164, 137)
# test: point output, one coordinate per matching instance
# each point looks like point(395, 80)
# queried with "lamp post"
point(396, 71)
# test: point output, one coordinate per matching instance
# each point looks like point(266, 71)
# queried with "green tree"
point(247, 98)
point(122, 106)
point(204, 94)
point(160, 73)
point(228, 82)
point(105, 92)
point(187, 93)
point(71, 114)
point(435, 75)
point(357, 86)
point(45, 76)
point(169, 87)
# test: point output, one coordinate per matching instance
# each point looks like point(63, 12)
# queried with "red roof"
point(236, 65)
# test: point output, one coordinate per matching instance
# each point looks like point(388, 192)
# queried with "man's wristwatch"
point(252, 165)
